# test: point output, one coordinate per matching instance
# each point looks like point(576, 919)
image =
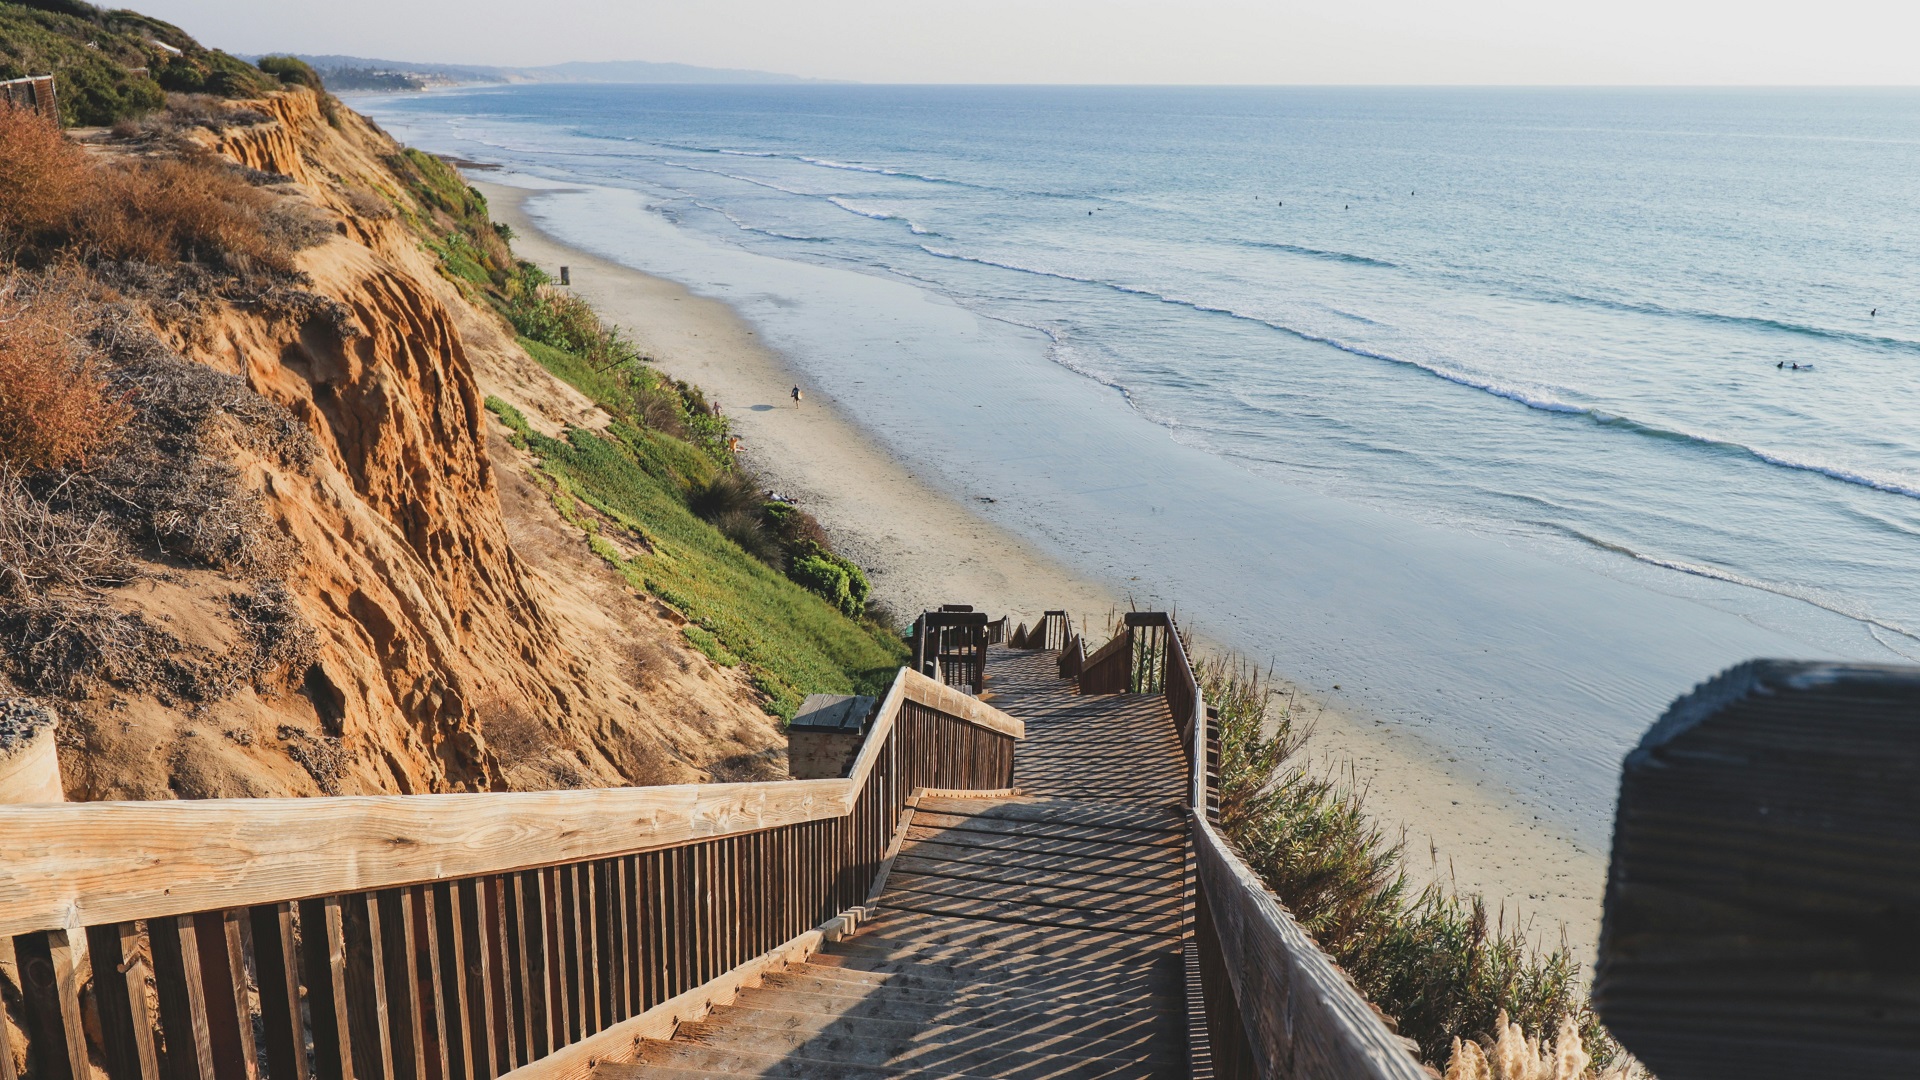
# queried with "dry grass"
point(55, 404)
point(38, 167)
point(160, 211)
point(43, 551)
point(1514, 1056)
point(164, 208)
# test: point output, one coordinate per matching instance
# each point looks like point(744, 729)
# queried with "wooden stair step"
point(681, 1058)
point(1151, 972)
point(897, 928)
point(1159, 885)
point(1029, 1013)
point(1118, 833)
point(1111, 995)
point(1040, 845)
point(1162, 869)
point(1082, 897)
point(899, 1039)
point(1068, 811)
point(1030, 914)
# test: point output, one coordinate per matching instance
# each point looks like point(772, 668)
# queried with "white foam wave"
point(745, 227)
point(1715, 573)
point(1533, 397)
point(1878, 481)
point(851, 208)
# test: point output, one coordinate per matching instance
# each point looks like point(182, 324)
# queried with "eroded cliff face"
point(466, 639)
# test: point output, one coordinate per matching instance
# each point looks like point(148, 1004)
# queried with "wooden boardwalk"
point(1032, 936)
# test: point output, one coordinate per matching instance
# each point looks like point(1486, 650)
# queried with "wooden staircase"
point(1023, 883)
point(1024, 936)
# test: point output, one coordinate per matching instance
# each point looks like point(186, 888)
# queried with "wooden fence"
point(447, 937)
point(35, 92)
point(950, 645)
point(1274, 1005)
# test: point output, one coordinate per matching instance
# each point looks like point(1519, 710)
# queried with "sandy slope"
point(923, 549)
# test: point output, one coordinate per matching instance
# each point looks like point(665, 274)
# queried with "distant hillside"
point(366, 73)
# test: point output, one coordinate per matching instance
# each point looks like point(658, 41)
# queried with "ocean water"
point(1539, 344)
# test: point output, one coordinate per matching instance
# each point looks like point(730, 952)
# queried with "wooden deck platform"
point(1024, 937)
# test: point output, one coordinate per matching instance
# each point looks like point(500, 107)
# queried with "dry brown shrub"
point(43, 550)
point(41, 176)
point(159, 211)
point(55, 406)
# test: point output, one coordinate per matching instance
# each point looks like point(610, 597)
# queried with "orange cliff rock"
point(467, 638)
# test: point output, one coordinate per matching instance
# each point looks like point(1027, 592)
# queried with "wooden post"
point(29, 757)
point(1764, 893)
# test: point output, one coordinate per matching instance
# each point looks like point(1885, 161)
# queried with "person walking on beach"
point(796, 397)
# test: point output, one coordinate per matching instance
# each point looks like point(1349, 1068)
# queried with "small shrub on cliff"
point(162, 211)
point(42, 175)
point(292, 71)
point(55, 404)
point(834, 579)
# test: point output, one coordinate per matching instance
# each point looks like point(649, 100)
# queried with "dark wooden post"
point(1763, 904)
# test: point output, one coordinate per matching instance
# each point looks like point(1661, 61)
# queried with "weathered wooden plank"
point(452, 930)
point(1029, 914)
point(108, 862)
point(368, 1022)
point(324, 959)
point(196, 1040)
point(1064, 896)
point(113, 862)
point(1135, 838)
point(223, 964)
point(50, 990)
point(432, 992)
point(119, 983)
point(1041, 845)
point(1132, 885)
point(275, 960)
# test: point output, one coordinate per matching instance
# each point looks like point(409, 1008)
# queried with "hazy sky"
point(1117, 41)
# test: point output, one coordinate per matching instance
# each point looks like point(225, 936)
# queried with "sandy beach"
point(923, 548)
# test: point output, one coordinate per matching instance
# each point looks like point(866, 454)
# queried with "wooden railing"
point(950, 646)
point(1274, 1004)
point(447, 937)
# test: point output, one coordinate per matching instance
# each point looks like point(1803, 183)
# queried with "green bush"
point(1431, 961)
point(828, 580)
point(292, 71)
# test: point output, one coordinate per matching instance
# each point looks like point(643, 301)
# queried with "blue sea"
point(1666, 341)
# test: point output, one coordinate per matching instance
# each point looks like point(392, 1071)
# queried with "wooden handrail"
point(529, 933)
point(1275, 1005)
point(78, 864)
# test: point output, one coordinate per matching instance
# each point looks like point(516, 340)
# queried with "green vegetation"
point(630, 484)
point(1430, 960)
point(669, 430)
point(292, 71)
point(115, 65)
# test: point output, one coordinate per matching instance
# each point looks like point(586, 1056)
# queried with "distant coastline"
point(362, 74)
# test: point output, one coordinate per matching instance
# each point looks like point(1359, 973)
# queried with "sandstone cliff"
point(464, 637)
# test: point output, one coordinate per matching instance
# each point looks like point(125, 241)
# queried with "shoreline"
point(923, 547)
